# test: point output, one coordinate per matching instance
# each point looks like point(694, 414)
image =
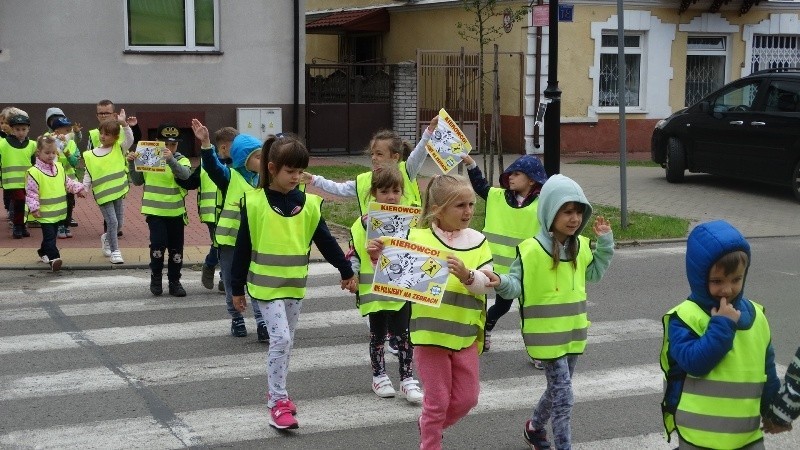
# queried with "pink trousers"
point(451, 383)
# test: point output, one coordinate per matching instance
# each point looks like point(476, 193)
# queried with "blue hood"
point(556, 191)
point(706, 244)
point(242, 147)
point(530, 165)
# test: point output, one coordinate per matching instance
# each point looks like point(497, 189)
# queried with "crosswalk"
point(93, 361)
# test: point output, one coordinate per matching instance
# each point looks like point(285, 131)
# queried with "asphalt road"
point(93, 361)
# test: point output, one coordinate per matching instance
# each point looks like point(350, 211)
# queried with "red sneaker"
point(287, 403)
point(280, 417)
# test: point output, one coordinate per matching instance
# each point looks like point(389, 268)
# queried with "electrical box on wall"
point(259, 122)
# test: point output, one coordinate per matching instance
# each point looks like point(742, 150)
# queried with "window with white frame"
point(609, 70)
point(705, 66)
point(172, 25)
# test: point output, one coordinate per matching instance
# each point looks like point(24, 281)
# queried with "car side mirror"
point(705, 107)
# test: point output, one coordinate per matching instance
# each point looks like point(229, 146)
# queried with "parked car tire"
point(676, 160)
point(796, 181)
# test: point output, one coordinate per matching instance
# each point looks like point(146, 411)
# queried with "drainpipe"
point(296, 90)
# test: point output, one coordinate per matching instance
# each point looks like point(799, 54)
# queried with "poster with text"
point(448, 143)
point(149, 157)
point(388, 220)
point(411, 271)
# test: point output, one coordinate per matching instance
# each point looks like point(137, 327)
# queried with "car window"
point(736, 98)
point(783, 96)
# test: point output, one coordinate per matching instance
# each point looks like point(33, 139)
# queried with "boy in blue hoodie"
point(717, 358)
point(233, 182)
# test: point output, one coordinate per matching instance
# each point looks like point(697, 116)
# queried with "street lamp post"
point(552, 118)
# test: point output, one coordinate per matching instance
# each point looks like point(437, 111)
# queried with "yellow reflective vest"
point(367, 301)
point(230, 216)
point(15, 163)
point(109, 177)
point(722, 408)
point(553, 301)
point(410, 197)
point(506, 227)
point(162, 196)
point(281, 245)
point(52, 194)
point(209, 199)
point(461, 318)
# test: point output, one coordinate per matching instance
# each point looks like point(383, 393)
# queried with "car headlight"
point(660, 124)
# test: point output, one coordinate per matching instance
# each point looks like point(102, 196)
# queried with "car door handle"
point(736, 122)
point(758, 124)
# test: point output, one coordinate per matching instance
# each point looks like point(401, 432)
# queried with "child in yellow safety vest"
point(557, 262)
point(717, 356)
point(16, 157)
point(278, 224)
point(383, 312)
point(67, 135)
point(46, 196)
point(447, 340)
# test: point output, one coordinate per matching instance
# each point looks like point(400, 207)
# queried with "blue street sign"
point(565, 13)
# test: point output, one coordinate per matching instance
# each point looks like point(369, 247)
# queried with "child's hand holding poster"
point(448, 143)
point(411, 271)
point(149, 157)
point(388, 220)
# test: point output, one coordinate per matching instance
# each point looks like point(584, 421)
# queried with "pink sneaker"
point(280, 416)
point(287, 403)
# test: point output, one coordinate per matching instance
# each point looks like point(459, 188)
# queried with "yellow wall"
point(324, 47)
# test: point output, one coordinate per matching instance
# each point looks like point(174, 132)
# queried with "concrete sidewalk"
point(757, 210)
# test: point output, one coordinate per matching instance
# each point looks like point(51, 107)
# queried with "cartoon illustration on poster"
point(384, 219)
point(149, 157)
point(411, 271)
point(448, 143)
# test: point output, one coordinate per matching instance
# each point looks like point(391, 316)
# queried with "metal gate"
point(775, 51)
point(345, 105)
point(449, 80)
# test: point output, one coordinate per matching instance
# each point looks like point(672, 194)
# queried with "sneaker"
point(238, 328)
point(17, 233)
point(176, 290)
point(155, 284)
point(281, 417)
point(392, 347)
point(73, 223)
point(44, 259)
point(536, 439)
point(61, 233)
point(116, 257)
point(288, 403)
point(55, 264)
point(67, 232)
point(537, 364)
point(487, 340)
point(409, 389)
point(25, 232)
point(207, 277)
point(221, 286)
point(104, 246)
point(382, 386)
point(261, 331)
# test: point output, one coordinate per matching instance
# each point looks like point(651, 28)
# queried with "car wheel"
point(796, 181)
point(676, 160)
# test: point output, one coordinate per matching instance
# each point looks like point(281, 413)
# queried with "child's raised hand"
point(167, 154)
point(201, 133)
point(468, 161)
point(458, 268)
point(239, 302)
point(306, 178)
point(433, 124)
point(121, 117)
point(76, 127)
point(131, 121)
point(727, 310)
point(601, 226)
point(494, 279)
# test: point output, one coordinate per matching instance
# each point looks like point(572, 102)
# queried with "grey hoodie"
point(557, 191)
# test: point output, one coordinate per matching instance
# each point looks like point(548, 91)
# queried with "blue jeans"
point(212, 258)
point(49, 231)
point(556, 402)
point(225, 263)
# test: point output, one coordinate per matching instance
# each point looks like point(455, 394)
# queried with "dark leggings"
point(500, 307)
point(166, 234)
point(397, 323)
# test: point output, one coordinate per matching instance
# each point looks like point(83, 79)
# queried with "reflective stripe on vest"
point(461, 318)
point(52, 194)
point(367, 301)
point(209, 199)
point(15, 163)
point(109, 179)
point(281, 245)
point(410, 197)
point(722, 408)
point(229, 217)
point(506, 227)
point(553, 301)
point(161, 195)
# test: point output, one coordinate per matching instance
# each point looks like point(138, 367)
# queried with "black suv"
point(748, 129)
